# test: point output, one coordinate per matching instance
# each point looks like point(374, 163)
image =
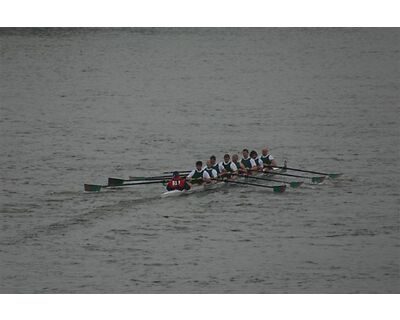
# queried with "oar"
point(330, 175)
point(180, 171)
point(118, 182)
point(97, 187)
point(313, 179)
point(133, 178)
point(293, 184)
point(280, 189)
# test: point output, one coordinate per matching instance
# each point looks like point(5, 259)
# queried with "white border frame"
point(205, 13)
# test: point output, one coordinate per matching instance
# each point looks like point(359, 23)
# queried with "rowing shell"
point(206, 187)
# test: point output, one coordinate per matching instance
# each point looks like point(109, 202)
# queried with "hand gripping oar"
point(330, 175)
point(279, 189)
point(293, 184)
point(313, 179)
point(97, 187)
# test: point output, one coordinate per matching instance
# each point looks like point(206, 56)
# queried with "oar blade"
point(115, 182)
point(92, 187)
point(334, 175)
point(296, 184)
point(279, 189)
point(317, 179)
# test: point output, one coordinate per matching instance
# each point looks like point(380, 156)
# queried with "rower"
point(227, 168)
point(239, 165)
point(199, 173)
point(258, 161)
point(248, 163)
point(213, 174)
point(267, 159)
point(178, 183)
point(214, 164)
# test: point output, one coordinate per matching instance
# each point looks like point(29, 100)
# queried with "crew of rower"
point(228, 168)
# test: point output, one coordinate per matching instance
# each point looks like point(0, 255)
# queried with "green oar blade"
point(115, 182)
point(296, 184)
point(334, 175)
point(279, 189)
point(92, 187)
point(317, 179)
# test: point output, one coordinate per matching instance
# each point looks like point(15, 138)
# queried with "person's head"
point(213, 160)
point(235, 157)
point(245, 153)
point(253, 154)
point(265, 151)
point(175, 174)
point(199, 165)
point(209, 164)
point(227, 157)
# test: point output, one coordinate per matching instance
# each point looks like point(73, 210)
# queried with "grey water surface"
point(81, 105)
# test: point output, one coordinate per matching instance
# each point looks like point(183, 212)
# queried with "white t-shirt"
point(232, 165)
point(214, 173)
point(269, 157)
point(205, 174)
point(259, 162)
point(252, 162)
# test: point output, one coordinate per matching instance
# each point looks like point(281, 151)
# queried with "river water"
point(81, 105)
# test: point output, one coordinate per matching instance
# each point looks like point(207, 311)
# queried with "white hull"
point(206, 187)
point(194, 189)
